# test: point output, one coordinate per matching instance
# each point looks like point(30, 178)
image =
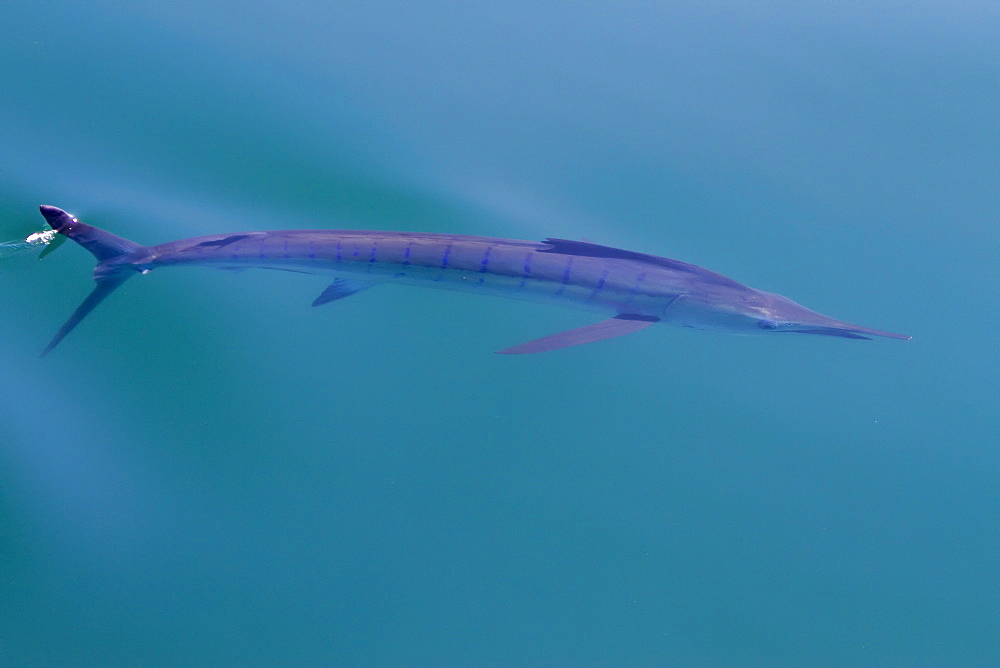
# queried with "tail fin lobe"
point(105, 286)
point(104, 245)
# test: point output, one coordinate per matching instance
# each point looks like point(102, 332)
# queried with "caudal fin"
point(116, 259)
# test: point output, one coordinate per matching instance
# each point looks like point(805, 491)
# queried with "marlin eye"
point(767, 324)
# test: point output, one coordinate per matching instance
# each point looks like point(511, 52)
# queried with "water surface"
point(210, 471)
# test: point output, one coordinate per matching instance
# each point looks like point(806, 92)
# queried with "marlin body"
point(633, 289)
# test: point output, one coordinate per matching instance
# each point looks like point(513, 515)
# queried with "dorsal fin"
point(587, 249)
point(224, 241)
point(220, 240)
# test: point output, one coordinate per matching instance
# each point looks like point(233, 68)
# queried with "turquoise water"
point(209, 471)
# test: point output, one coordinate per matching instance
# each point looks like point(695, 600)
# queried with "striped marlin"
point(634, 289)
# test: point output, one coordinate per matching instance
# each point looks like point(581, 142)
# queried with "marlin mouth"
point(831, 331)
point(847, 332)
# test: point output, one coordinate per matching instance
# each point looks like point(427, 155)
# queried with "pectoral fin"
point(340, 288)
point(606, 329)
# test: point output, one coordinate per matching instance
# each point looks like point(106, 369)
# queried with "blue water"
point(209, 471)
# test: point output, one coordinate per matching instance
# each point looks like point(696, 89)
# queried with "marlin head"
point(750, 312)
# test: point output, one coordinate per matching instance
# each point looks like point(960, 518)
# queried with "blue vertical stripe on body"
point(600, 286)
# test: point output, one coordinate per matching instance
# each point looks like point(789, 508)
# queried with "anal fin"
point(606, 329)
point(340, 288)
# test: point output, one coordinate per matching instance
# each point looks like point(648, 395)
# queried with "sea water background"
point(210, 471)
